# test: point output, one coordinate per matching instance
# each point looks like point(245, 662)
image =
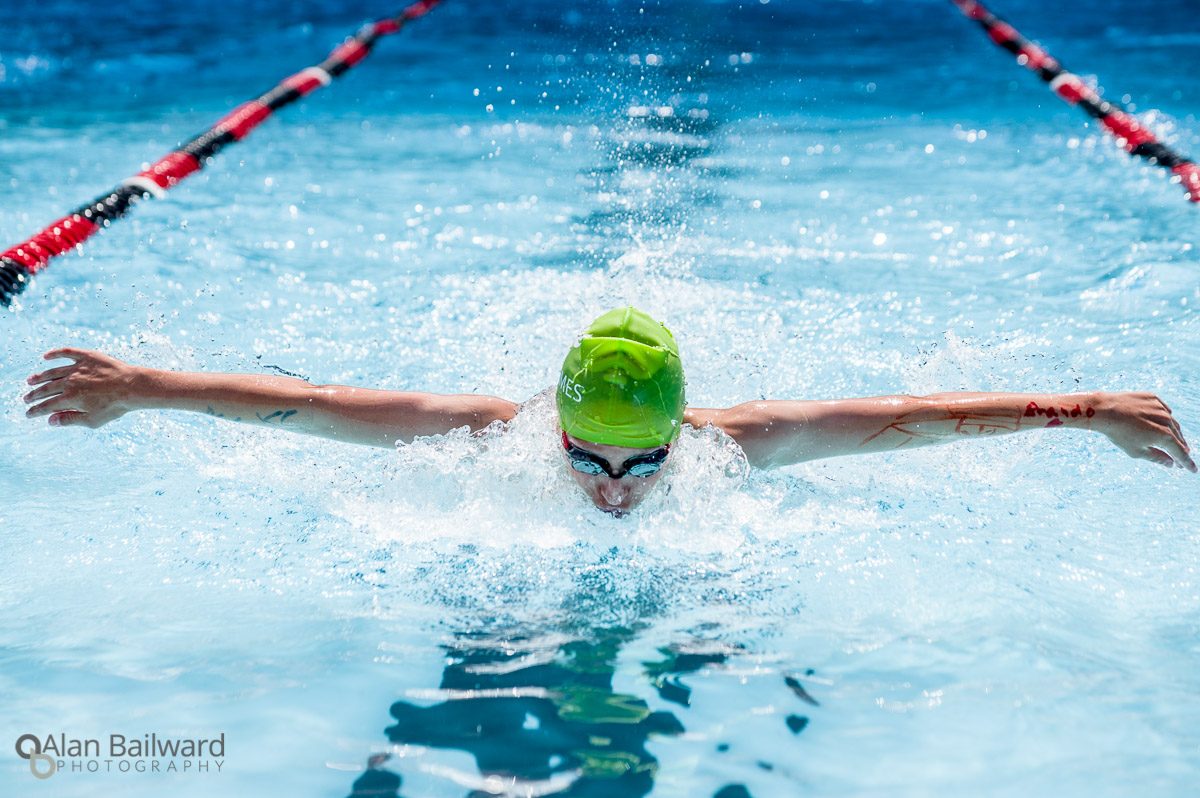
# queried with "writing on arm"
point(774, 433)
point(968, 415)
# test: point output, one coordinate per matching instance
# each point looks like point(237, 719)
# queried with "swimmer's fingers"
point(1176, 430)
point(46, 390)
point(1156, 441)
point(1165, 449)
point(70, 418)
point(62, 414)
point(1155, 455)
point(1166, 416)
point(60, 402)
point(1171, 437)
point(68, 352)
point(1176, 447)
point(50, 374)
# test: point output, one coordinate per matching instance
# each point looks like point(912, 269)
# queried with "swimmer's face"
point(616, 496)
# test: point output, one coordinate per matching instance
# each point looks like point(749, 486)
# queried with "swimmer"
point(621, 406)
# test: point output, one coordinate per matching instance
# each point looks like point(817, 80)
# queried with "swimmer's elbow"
point(442, 413)
point(491, 409)
point(756, 428)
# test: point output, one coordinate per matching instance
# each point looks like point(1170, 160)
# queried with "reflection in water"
point(376, 782)
point(540, 715)
point(541, 723)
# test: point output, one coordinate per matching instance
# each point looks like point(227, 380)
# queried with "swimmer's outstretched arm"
point(96, 389)
point(775, 433)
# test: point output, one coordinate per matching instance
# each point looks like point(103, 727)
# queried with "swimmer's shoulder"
point(732, 423)
point(701, 417)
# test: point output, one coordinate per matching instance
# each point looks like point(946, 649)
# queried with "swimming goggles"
point(643, 465)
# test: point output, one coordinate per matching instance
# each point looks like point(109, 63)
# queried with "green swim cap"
point(622, 384)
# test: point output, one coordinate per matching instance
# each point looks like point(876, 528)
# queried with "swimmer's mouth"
point(615, 512)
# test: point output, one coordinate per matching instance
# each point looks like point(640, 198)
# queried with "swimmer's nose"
point(614, 492)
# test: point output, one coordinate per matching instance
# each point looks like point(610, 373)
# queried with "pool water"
point(820, 199)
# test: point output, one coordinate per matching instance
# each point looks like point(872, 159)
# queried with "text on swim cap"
point(570, 389)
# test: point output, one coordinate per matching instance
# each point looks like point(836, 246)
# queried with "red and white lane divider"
point(1133, 137)
point(19, 263)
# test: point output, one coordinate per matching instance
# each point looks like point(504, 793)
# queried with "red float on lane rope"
point(1130, 134)
point(19, 263)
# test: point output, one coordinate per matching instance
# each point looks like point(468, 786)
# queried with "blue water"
point(848, 198)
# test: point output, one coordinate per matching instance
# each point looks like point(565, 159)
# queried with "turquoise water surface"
point(821, 199)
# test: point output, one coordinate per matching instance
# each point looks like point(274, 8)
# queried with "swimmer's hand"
point(94, 390)
point(1142, 426)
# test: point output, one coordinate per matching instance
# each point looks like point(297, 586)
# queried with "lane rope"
point(1130, 134)
point(20, 263)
